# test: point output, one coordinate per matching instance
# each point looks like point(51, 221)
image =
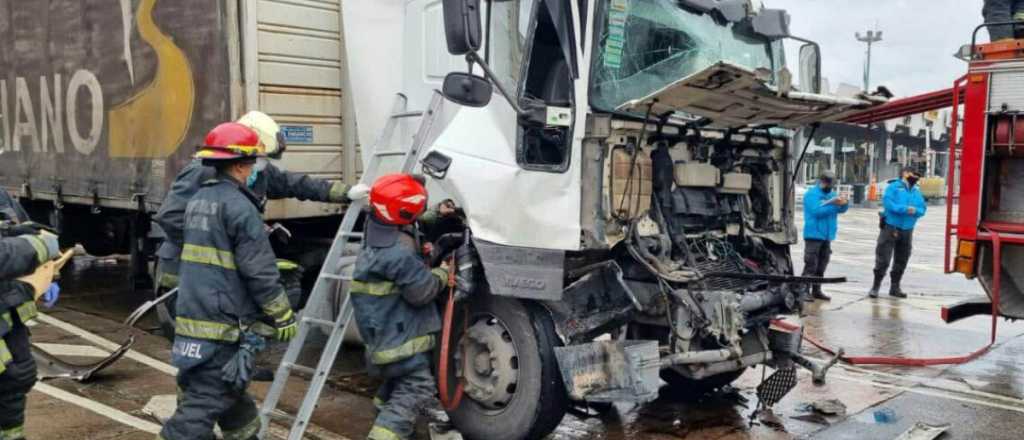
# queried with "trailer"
point(103, 102)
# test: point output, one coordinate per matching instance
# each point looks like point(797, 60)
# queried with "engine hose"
point(450, 403)
point(908, 361)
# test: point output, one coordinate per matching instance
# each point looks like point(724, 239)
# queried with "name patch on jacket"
point(187, 353)
point(192, 350)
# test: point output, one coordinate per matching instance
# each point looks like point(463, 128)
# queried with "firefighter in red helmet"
point(393, 294)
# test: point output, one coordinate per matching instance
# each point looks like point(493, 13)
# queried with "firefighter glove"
point(51, 295)
point(238, 371)
point(46, 245)
point(286, 327)
point(358, 192)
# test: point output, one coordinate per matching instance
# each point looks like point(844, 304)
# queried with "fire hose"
point(923, 361)
point(449, 402)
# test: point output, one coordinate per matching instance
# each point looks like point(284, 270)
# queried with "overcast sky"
point(919, 39)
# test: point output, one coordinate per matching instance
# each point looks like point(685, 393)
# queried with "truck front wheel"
point(504, 357)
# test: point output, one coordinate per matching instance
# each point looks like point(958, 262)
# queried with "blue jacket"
point(897, 199)
point(821, 218)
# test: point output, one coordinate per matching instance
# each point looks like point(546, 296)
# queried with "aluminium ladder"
point(332, 283)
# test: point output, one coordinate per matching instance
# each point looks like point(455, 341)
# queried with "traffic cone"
point(873, 190)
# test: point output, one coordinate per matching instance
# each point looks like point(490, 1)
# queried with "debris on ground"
point(443, 431)
point(829, 407)
point(885, 416)
point(922, 431)
point(770, 419)
point(815, 418)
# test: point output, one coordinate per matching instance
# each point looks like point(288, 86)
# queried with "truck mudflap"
point(611, 371)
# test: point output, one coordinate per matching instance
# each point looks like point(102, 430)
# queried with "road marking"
point(108, 345)
point(61, 350)
point(927, 392)
point(98, 408)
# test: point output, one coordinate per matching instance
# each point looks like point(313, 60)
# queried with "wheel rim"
point(488, 362)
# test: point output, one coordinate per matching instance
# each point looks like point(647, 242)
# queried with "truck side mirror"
point(810, 68)
point(467, 89)
point(462, 26)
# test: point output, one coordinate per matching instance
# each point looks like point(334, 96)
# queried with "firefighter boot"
point(818, 294)
point(894, 286)
point(875, 285)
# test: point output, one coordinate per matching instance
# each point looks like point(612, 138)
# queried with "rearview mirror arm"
point(472, 57)
point(817, 60)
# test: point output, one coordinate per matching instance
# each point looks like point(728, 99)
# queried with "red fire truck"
point(985, 183)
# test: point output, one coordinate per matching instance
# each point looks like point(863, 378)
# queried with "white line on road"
point(98, 408)
point(108, 345)
point(60, 350)
point(928, 392)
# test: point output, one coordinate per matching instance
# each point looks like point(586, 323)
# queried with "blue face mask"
point(251, 180)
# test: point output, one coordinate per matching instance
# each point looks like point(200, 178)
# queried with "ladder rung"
point(352, 235)
point(318, 321)
point(279, 415)
point(387, 153)
point(408, 114)
point(332, 276)
point(301, 369)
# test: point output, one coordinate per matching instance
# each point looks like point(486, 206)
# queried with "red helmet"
point(229, 141)
point(397, 199)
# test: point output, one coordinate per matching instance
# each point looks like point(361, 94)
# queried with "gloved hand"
point(239, 370)
point(358, 191)
point(286, 327)
point(51, 295)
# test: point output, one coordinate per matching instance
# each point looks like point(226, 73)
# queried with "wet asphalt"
point(983, 399)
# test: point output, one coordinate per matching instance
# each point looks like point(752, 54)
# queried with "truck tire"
point(682, 387)
point(532, 404)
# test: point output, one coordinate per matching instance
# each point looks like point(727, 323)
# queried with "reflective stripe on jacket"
point(821, 218)
point(393, 292)
point(897, 199)
point(228, 277)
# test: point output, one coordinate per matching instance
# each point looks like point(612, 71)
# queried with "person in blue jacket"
point(904, 204)
point(822, 206)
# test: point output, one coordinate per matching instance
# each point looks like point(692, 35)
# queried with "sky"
point(919, 38)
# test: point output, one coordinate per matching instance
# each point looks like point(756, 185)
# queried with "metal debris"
point(922, 431)
point(829, 407)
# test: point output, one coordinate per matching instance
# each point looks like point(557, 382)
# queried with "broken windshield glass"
point(645, 45)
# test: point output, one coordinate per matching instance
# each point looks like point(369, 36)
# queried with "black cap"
point(827, 175)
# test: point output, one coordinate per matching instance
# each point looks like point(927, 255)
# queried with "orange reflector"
point(977, 78)
point(965, 254)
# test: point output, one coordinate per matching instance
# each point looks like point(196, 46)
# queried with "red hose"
point(921, 362)
point(448, 402)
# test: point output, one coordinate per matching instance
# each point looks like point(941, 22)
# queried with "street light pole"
point(870, 38)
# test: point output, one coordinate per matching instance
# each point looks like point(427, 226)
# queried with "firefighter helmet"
point(398, 199)
point(269, 131)
point(230, 141)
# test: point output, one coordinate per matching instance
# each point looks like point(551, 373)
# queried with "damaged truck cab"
point(626, 174)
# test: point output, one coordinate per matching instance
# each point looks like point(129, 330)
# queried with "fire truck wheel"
point(686, 388)
point(506, 360)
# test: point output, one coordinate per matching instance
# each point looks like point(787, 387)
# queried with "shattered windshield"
point(645, 45)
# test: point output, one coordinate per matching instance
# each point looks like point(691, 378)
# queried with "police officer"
point(1002, 11)
point(904, 204)
point(19, 255)
point(267, 181)
point(393, 294)
point(821, 211)
point(229, 295)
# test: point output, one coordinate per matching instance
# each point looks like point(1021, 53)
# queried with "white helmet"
point(269, 132)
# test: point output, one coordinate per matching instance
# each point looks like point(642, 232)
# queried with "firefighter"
point(269, 181)
point(20, 253)
point(1003, 11)
point(822, 207)
point(229, 297)
point(903, 204)
point(393, 294)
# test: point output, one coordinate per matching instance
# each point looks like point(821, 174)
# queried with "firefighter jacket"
point(271, 183)
point(10, 209)
point(821, 214)
point(229, 279)
point(18, 256)
point(393, 292)
point(898, 197)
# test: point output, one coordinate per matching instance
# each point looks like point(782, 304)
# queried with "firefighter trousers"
point(204, 399)
point(408, 387)
point(16, 381)
point(894, 245)
point(817, 254)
